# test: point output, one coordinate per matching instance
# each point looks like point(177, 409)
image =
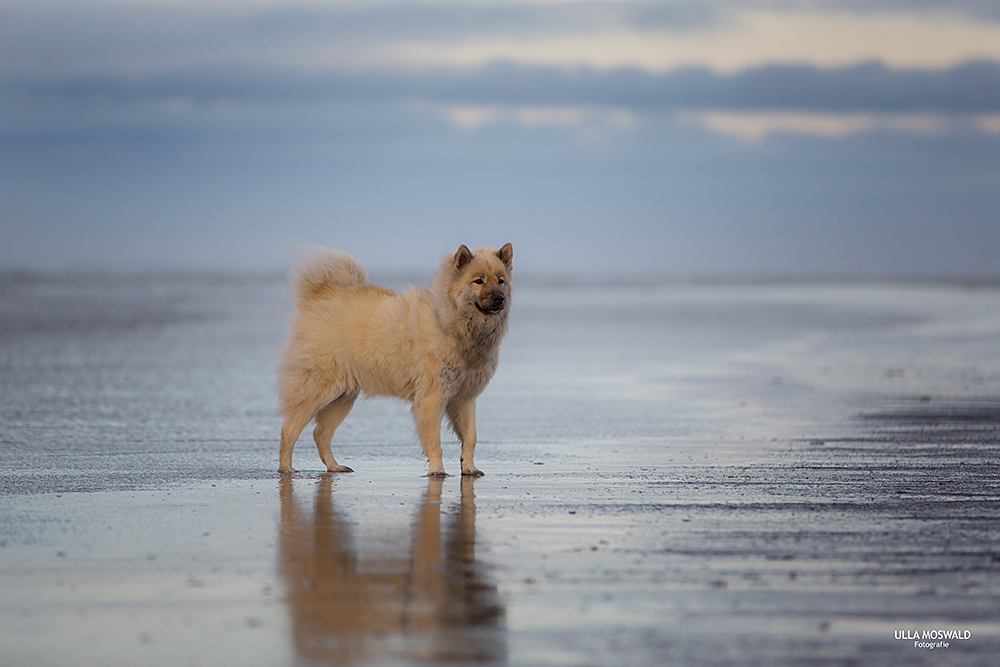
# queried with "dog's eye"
point(501, 281)
point(478, 281)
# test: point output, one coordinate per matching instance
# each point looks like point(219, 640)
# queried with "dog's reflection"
point(412, 594)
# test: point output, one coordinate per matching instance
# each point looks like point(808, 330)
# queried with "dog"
point(435, 348)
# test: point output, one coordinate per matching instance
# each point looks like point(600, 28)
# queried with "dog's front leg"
point(463, 420)
point(427, 407)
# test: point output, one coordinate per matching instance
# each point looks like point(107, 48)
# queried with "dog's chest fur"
point(464, 379)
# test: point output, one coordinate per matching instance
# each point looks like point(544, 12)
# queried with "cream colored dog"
point(437, 349)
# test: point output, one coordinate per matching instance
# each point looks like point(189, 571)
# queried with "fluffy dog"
point(435, 348)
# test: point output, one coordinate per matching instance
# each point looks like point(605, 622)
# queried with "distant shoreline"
point(527, 278)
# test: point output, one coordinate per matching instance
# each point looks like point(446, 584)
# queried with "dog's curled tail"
point(319, 268)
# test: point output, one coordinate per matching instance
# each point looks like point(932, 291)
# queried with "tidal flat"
point(676, 474)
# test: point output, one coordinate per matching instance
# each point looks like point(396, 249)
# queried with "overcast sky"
point(673, 138)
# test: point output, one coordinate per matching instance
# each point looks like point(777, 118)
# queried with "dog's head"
point(483, 277)
point(478, 284)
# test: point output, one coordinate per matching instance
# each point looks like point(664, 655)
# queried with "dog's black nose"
point(498, 300)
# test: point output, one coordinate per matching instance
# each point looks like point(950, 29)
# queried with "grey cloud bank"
point(972, 87)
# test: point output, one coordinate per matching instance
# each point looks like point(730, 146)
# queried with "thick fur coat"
point(435, 348)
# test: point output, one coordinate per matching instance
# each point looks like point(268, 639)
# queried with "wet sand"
point(683, 475)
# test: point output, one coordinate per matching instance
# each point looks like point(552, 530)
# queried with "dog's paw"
point(437, 473)
point(340, 469)
point(287, 471)
point(472, 472)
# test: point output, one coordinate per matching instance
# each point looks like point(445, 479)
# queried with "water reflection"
point(412, 593)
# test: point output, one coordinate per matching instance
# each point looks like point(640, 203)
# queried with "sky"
point(603, 138)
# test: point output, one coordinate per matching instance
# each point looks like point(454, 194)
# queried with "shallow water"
point(677, 474)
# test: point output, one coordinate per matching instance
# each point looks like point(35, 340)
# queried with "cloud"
point(579, 61)
point(969, 88)
point(63, 36)
point(56, 37)
point(472, 117)
point(746, 38)
point(754, 127)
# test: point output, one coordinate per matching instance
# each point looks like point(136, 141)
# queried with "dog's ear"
point(506, 255)
point(462, 257)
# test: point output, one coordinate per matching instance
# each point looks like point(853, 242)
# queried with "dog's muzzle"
point(494, 305)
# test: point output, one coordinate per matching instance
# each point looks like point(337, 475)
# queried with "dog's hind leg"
point(296, 418)
point(462, 415)
point(327, 421)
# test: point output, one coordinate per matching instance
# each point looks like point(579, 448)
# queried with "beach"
point(676, 474)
